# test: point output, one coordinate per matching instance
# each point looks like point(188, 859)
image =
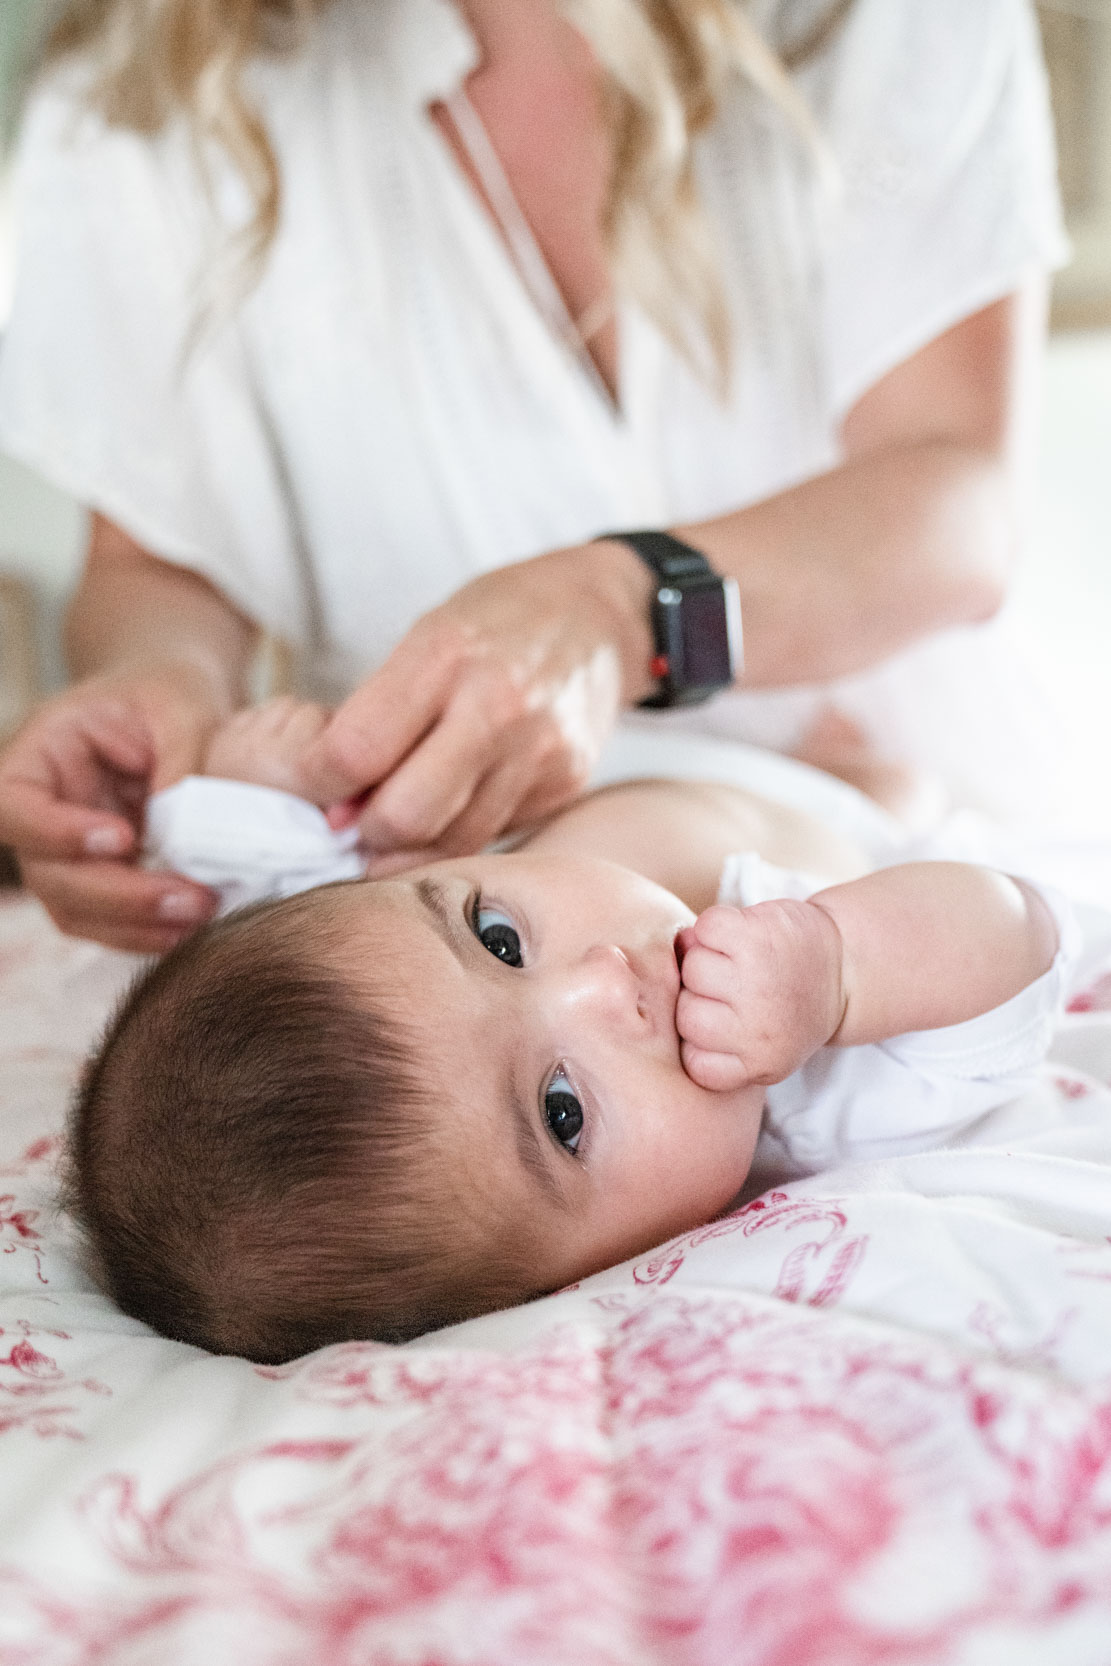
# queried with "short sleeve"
point(114, 383)
point(947, 199)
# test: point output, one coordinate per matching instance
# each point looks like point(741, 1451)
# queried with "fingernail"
point(182, 905)
point(105, 841)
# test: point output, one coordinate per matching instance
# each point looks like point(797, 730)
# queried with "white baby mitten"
point(246, 843)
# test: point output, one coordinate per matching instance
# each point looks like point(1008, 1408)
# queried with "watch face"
point(707, 662)
point(698, 639)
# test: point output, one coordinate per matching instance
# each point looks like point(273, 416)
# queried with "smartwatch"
point(696, 620)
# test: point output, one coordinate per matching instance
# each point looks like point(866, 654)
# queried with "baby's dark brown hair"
point(249, 1158)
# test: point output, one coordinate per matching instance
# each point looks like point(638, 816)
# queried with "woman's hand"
point(73, 785)
point(493, 710)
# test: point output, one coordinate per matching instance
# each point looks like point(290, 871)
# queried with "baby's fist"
point(761, 991)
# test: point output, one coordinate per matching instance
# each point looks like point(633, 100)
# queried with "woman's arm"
point(132, 613)
point(161, 658)
point(918, 527)
point(492, 710)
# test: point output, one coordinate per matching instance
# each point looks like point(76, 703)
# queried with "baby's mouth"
point(670, 983)
point(656, 970)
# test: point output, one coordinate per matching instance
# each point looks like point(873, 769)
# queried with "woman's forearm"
point(842, 571)
point(917, 528)
point(135, 614)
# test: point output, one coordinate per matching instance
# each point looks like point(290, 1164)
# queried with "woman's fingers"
point(73, 786)
point(66, 780)
point(524, 663)
point(488, 748)
point(41, 826)
point(123, 906)
point(493, 807)
point(381, 722)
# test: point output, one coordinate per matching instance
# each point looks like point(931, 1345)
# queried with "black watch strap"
point(669, 558)
point(696, 620)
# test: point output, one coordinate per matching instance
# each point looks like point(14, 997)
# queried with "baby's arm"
point(265, 744)
point(915, 947)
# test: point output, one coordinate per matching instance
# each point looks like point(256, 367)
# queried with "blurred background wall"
point(1062, 604)
point(1077, 36)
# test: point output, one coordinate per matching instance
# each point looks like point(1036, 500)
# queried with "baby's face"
point(546, 989)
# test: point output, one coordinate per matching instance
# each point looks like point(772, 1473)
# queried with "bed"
point(864, 1421)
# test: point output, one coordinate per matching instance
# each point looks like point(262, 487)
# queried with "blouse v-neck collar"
point(432, 50)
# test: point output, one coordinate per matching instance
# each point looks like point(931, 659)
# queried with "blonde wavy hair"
point(666, 66)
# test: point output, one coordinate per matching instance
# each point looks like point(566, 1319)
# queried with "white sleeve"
point(914, 1092)
point(109, 388)
point(938, 117)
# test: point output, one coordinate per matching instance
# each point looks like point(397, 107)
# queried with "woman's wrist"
point(186, 680)
point(616, 579)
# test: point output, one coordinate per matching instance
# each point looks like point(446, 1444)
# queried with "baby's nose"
point(603, 982)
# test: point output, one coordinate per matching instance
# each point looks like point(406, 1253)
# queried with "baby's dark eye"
point(562, 1112)
point(497, 933)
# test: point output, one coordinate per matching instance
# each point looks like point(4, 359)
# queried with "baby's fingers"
point(709, 1024)
point(719, 1072)
point(708, 973)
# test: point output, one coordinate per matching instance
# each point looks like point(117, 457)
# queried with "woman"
point(484, 282)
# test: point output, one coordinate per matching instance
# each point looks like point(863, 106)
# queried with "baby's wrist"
point(834, 972)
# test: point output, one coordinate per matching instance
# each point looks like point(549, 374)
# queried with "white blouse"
point(386, 414)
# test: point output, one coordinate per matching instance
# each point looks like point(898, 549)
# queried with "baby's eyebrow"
point(447, 919)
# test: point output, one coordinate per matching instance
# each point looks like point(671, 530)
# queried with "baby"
point(387, 1105)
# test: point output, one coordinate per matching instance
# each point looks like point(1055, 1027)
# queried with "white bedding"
point(864, 1422)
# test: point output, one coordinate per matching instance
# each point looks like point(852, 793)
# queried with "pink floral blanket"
point(864, 1422)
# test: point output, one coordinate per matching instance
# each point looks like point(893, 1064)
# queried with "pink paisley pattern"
point(816, 1271)
point(36, 1397)
point(39, 1156)
point(1095, 997)
point(1072, 1087)
point(18, 1233)
point(720, 1482)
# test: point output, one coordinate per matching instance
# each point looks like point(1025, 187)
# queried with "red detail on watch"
point(659, 666)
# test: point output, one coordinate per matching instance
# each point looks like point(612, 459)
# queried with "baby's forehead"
point(352, 915)
point(381, 934)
